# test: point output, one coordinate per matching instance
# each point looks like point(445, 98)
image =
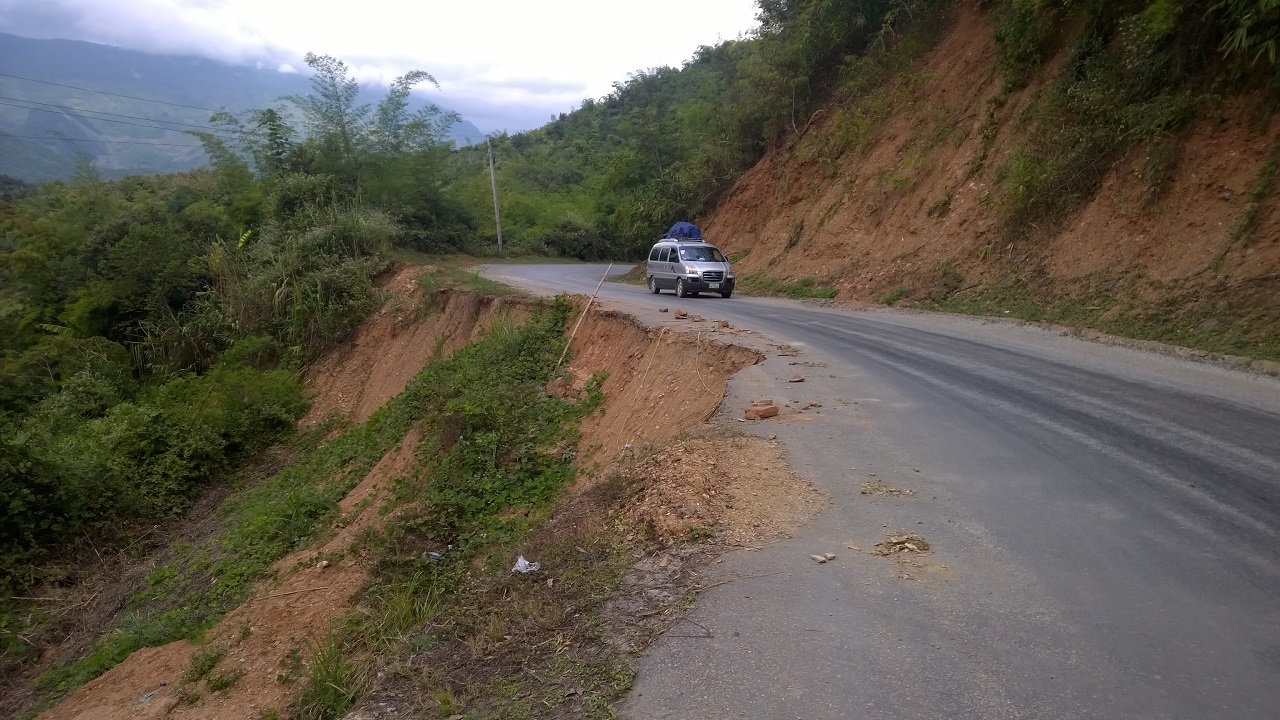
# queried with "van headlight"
point(691, 269)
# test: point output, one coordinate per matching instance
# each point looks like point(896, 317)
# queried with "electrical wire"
point(113, 142)
point(104, 92)
point(104, 112)
point(121, 122)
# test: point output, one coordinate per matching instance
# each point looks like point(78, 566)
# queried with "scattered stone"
point(902, 542)
point(695, 318)
point(682, 313)
point(829, 556)
point(723, 323)
point(879, 487)
point(820, 559)
point(760, 412)
point(796, 378)
point(665, 310)
point(761, 403)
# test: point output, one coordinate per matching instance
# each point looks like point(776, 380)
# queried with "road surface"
point(1105, 525)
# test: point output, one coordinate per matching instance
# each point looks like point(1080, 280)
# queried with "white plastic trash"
point(524, 566)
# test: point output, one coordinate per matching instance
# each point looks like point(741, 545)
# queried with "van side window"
point(653, 254)
point(662, 254)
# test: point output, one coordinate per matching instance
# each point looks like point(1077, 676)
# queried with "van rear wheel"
point(653, 286)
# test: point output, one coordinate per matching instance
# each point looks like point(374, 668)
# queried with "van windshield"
point(701, 254)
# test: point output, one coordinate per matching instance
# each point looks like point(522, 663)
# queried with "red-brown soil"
point(294, 605)
point(868, 217)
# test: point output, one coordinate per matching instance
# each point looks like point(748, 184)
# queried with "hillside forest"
point(152, 328)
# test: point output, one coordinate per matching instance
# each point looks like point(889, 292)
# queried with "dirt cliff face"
point(908, 196)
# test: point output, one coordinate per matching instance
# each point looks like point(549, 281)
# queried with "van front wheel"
point(680, 289)
point(653, 286)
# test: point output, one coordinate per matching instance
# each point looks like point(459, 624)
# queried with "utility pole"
point(493, 182)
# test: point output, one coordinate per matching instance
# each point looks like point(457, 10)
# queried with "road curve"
point(1108, 520)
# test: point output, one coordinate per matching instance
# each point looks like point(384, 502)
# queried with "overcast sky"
point(504, 64)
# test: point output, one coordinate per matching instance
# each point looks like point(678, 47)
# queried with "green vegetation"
point(333, 683)
point(1138, 72)
point(151, 333)
point(498, 443)
point(802, 289)
point(495, 451)
point(190, 82)
point(895, 295)
point(606, 179)
point(152, 328)
point(202, 663)
point(1218, 322)
point(220, 680)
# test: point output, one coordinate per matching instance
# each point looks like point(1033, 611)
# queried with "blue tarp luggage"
point(683, 231)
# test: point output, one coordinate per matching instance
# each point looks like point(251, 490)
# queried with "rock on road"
point(1105, 525)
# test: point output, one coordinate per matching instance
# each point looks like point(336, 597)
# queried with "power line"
point(88, 140)
point(104, 92)
point(104, 112)
point(87, 117)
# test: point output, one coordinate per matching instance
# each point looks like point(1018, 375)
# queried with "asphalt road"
point(1108, 520)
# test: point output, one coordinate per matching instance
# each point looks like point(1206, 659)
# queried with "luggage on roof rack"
point(683, 231)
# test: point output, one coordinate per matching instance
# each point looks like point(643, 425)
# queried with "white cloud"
point(519, 54)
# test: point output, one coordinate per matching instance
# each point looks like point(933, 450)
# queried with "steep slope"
point(254, 656)
point(907, 195)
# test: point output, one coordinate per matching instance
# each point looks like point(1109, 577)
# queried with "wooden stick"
point(704, 588)
point(583, 316)
point(695, 622)
point(295, 592)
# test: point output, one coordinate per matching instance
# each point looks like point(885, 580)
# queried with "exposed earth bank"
point(658, 385)
point(912, 204)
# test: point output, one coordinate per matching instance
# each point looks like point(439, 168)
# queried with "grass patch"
point(802, 289)
point(201, 663)
point(333, 683)
point(1224, 320)
point(895, 295)
point(460, 278)
point(1242, 230)
point(220, 680)
point(443, 617)
point(495, 644)
point(940, 207)
point(1125, 84)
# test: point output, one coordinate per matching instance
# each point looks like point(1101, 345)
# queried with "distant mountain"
point(125, 140)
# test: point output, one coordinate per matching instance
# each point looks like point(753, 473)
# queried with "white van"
point(688, 267)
